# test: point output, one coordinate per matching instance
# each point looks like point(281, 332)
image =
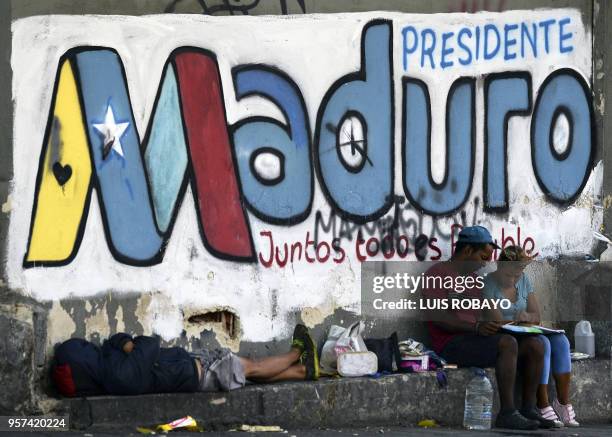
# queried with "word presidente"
point(267, 167)
point(471, 44)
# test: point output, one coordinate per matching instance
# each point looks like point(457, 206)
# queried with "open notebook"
point(515, 329)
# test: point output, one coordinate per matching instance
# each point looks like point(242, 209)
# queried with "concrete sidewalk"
point(583, 431)
point(393, 400)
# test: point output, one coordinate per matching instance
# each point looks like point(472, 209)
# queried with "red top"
point(439, 336)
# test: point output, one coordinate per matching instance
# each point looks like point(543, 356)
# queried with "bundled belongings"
point(387, 352)
point(341, 340)
point(347, 353)
point(412, 356)
point(415, 357)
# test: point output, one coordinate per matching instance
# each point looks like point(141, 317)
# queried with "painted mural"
point(254, 163)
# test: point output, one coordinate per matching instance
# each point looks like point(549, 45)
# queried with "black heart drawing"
point(62, 173)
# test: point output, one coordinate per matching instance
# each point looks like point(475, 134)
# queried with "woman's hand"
point(533, 309)
point(527, 318)
point(522, 317)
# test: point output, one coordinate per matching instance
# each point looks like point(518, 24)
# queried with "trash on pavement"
point(427, 423)
point(260, 428)
point(186, 423)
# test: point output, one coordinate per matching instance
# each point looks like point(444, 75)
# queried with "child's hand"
point(128, 347)
point(524, 318)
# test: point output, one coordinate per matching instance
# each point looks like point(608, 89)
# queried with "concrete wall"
point(168, 243)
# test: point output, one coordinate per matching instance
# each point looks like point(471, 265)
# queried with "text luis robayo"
point(391, 289)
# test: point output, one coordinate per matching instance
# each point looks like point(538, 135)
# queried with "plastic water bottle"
point(478, 402)
point(584, 339)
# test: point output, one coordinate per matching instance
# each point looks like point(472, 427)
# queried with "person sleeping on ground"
point(126, 365)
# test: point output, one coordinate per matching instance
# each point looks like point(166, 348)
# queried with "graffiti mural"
point(275, 150)
point(136, 221)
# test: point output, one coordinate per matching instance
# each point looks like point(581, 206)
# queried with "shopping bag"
point(340, 340)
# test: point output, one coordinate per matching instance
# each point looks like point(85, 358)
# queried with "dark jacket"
point(149, 368)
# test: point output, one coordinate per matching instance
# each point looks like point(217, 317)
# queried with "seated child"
point(510, 282)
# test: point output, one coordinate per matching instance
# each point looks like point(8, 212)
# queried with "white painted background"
point(315, 50)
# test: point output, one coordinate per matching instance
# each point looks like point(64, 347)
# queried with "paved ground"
point(330, 402)
point(585, 431)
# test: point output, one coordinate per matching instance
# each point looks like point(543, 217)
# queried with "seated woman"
point(510, 282)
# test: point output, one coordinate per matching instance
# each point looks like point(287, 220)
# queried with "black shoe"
point(299, 338)
point(309, 357)
point(533, 414)
point(514, 420)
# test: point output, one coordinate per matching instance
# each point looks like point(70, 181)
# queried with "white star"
point(111, 132)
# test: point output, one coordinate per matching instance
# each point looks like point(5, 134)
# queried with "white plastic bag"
point(341, 340)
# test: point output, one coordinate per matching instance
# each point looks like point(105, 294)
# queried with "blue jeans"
point(556, 356)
